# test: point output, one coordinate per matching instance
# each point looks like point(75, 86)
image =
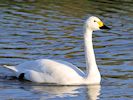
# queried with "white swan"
point(62, 72)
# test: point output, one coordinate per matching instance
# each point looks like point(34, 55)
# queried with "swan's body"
point(62, 72)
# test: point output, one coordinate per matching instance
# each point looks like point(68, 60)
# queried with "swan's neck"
point(93, 75)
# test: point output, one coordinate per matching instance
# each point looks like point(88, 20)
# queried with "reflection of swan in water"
point(93, 92)
point(55, 91)
point(45, 92)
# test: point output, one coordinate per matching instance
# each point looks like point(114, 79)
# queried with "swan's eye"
point(95, 21)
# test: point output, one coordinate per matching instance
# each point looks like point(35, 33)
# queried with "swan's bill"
point(104, 27)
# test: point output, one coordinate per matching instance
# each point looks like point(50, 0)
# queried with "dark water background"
point(34, 29)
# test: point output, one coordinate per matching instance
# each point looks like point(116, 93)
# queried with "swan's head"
point(94, 23)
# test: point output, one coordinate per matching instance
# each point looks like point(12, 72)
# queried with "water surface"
point(36, 29)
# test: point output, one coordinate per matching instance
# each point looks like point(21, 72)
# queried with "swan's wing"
point(79, 71)
point(43, 65)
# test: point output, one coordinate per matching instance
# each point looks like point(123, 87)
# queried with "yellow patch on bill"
point(100, 23)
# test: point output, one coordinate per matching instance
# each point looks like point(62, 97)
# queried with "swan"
point(61, 72)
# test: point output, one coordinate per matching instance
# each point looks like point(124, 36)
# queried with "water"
point(34, 29)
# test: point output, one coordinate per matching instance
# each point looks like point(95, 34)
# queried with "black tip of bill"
point(104, 27)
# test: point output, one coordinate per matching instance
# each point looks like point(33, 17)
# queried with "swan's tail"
point(12, 68)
